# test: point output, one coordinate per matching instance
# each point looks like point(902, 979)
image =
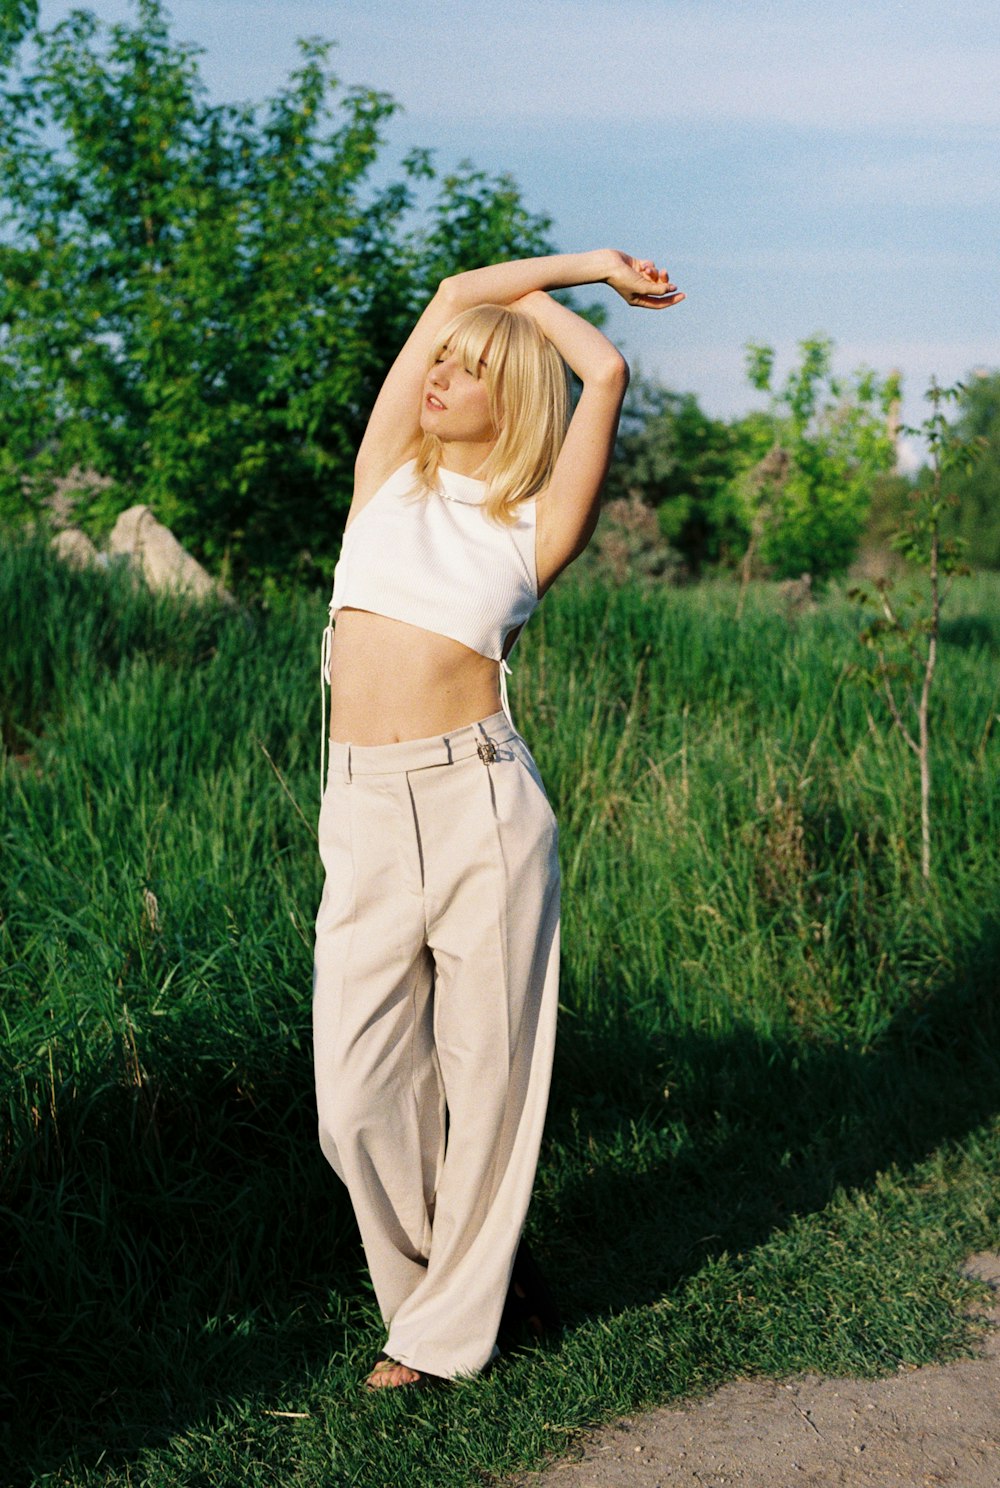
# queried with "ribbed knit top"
point(435, 559)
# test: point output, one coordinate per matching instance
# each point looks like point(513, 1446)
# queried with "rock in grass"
point(75, 548)
point(164, 563)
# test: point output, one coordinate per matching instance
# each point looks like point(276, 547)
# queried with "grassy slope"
point(772, 1130)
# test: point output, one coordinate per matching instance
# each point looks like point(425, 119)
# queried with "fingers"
point(664, 287)
point(666, 291)
point(659, 277)
point(646, 286)
point(644, 266)
point(658, 302)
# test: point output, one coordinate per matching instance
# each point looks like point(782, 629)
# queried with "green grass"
point(773, 1131)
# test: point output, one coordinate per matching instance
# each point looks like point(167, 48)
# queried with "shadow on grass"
point(703, 1145)
point(185, 1253)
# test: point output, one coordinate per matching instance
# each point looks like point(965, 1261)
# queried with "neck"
point(463, 458)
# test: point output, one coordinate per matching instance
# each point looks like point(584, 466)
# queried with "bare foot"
point(388, 1372)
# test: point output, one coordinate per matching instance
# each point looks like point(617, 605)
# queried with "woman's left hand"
point(641, 283)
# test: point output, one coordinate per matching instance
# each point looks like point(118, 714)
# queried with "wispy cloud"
point(851, 66)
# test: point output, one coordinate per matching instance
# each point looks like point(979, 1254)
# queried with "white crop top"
point(435, 559)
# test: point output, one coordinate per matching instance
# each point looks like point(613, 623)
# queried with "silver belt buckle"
point(487, 751)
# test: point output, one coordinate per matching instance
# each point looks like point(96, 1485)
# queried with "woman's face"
point(456, 405)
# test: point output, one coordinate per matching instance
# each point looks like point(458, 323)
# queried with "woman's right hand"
point(641, 283)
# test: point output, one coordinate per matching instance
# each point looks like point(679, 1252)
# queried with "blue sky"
point(798, 165)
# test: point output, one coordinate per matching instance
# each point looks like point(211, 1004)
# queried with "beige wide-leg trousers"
point(435, 991)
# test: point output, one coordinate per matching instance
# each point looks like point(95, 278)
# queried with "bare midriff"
point(390, 681)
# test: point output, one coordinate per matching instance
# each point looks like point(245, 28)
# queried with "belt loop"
point(347, 764)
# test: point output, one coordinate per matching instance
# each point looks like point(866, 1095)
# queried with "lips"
point(433, 402)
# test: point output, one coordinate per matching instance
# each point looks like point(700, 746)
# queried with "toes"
point(388, 1374)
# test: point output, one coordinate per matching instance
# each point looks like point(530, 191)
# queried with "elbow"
point(449, 292)
point(612, 372)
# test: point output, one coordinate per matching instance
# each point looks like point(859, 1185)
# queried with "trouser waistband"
point(421, 754)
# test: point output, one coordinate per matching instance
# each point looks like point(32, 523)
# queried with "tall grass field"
point(773, 1131)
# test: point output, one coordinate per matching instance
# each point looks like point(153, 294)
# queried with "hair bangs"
point(467, 337)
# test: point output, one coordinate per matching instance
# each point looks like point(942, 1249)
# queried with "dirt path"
point(922, 1428)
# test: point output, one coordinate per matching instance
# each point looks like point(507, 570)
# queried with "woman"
point(437, 937)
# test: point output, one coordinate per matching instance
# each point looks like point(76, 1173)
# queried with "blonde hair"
point(528, 401)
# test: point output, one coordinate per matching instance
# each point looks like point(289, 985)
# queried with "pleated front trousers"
point(434, 1011)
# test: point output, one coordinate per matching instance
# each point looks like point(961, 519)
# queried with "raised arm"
point(568, 510)
point(393, 430)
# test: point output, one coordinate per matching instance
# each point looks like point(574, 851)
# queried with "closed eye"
point(444, 354)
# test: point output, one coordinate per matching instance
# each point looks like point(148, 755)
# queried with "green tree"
point(200, 301)
point(672, 456)
point(805, 502)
